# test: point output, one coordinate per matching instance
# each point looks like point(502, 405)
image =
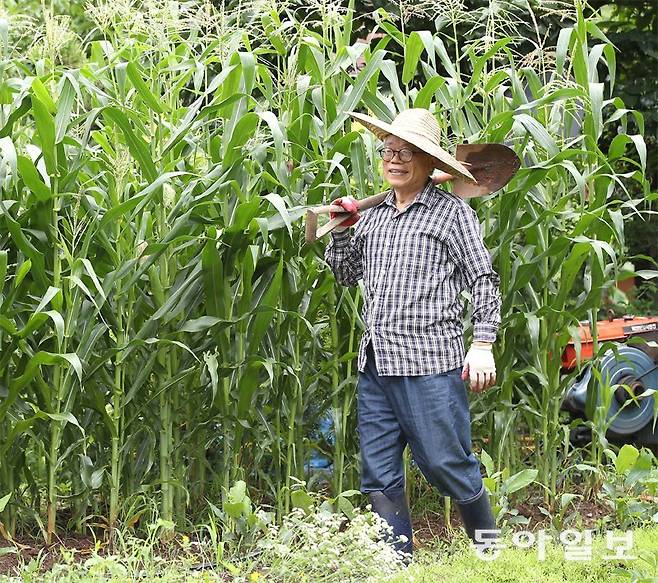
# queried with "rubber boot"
point(391, 505)
point(477, 515)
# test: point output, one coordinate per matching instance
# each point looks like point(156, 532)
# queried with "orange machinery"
point(616, 329)
point(630, 370)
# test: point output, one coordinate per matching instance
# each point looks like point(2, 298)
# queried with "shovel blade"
point(492, 165)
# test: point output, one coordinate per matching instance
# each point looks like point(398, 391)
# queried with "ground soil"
point(432, 526)
point(28, 549)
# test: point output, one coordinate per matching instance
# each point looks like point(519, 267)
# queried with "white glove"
point(480, 367)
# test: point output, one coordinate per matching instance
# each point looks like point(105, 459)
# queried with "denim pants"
point(429, 413)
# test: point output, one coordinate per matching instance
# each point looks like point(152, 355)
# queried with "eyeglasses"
point(404, 155)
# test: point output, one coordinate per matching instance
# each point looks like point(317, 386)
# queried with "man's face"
point(407, 176)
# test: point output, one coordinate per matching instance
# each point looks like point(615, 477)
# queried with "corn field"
point(164, 328)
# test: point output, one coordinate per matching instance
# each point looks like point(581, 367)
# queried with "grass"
point(454, 562)
point(523, 565)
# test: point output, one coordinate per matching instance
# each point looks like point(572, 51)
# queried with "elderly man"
point(415, 253)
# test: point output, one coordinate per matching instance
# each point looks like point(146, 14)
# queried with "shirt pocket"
point(423, 253)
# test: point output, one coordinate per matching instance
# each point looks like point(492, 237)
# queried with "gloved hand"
point(351, 206)
point(480, 367)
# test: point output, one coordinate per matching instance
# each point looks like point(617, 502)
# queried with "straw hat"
point(420, 128)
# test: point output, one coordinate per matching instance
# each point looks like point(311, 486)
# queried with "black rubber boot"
point(392, 506)
point(477, 515)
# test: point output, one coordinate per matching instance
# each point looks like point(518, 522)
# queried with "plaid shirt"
point(414, 263)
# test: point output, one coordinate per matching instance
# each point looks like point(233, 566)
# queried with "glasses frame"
point(394, 152)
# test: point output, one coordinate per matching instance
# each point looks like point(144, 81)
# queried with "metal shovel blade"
point(492, 165)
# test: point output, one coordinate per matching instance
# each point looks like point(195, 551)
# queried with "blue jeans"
point(429, 413)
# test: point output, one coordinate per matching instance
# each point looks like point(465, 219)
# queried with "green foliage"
point(632, 486)
point(239, 523)
point(501, 485)
point(310, 502)
point(643, 570)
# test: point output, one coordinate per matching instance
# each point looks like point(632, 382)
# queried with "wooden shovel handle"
point(364, 203)
point(312, 231)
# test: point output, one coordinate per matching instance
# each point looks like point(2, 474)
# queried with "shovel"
point(492, 166)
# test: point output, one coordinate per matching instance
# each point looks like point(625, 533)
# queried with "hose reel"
point(631, 367)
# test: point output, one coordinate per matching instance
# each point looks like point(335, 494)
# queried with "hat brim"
point(445, 161)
